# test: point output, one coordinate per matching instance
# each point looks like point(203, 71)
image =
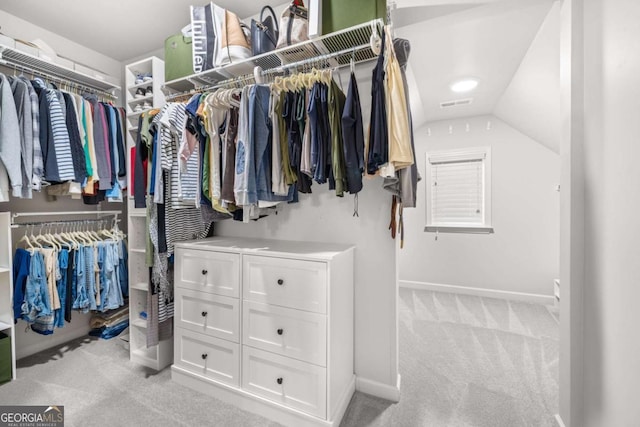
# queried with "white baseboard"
point(377, 389)
point(480, 292)
point(559, 421)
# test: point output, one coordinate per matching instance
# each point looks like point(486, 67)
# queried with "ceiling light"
point(464, 85)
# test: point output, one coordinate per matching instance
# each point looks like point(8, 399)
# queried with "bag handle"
point(273, 14)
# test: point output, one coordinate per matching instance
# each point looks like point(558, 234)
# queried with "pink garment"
point(188, 146)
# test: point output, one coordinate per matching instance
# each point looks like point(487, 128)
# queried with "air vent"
point(456, 102)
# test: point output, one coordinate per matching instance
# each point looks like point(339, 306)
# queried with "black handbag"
point(264, 33)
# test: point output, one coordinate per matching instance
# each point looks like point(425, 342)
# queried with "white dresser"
point(267, 325)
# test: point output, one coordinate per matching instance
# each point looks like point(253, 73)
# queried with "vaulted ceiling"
point(510, 46)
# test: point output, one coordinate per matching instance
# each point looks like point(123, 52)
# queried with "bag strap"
point(273, 14)
point(290, 24)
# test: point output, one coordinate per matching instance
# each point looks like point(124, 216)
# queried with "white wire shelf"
point(328, 51)
point(12, 57)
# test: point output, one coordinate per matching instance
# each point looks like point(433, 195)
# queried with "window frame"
point(459, 155)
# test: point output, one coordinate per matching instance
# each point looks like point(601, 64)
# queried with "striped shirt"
point(37, 161)
point(61, 141)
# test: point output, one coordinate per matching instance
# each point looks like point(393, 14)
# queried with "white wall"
point(612, 202)
point(523, 253)
point(17, 28)
point(324, 217)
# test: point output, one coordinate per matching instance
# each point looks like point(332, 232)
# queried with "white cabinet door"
point(209, 314)
point(208, 356)
point(287, 381)
point(208, 271)
point(286, 282)
point(293, 333)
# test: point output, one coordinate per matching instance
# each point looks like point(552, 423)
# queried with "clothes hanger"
point(26, 239)
point(375, 40)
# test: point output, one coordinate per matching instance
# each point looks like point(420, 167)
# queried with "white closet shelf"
point(140, 286)
point(142, 85)
point(331, 50)
point(140, 323)
point(14, 57)
point(4, 326)
point(141, 99)
point(138, 113)
point(5, 270)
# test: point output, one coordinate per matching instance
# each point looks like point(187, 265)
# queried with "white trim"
point(377, 389)
point(458, 229)
point(480, 292)
point(559, 421)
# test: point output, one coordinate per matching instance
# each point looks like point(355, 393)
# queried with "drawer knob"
point(279, 380)
point(204, 356)
point(280, 282)
point(204, 314)
point(280, 331)
point(204, 272)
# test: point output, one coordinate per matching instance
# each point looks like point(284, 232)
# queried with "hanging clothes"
point(378, 147)
point(353, 137)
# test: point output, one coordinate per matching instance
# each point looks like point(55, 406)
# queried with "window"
point(459, 191)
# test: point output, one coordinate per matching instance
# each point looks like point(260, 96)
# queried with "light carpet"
point(469, 361)
point(465, 361)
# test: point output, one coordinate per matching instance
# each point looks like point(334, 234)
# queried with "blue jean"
point(81, 302)
point(21, 265)
point(36, 301)
point(123, 269)
point(90, 277)
point(63, 262)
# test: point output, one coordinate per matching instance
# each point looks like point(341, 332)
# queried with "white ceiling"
point(487, 42)
point(120, 29)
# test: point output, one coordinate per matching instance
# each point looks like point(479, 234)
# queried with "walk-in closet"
point(319, 213)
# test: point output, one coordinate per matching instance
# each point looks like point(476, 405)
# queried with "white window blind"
point(458, 191)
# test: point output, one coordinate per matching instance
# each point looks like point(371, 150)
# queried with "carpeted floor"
point(470, 361)
point(465, 361)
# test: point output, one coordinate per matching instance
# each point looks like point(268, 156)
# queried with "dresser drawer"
point(293, 333)
point(287, 381)
point(208, 356)
point(208, 271)
point(209, 314)
point(286, 282)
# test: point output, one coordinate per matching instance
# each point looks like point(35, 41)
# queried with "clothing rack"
point(114, 213)
point(333, 50)
point(49, 70)
point(63, 84)
point(335, 60)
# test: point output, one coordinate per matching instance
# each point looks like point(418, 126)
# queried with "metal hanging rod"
point(63, 222)
point(360, 53)
point(69, 213)
point(64, 81)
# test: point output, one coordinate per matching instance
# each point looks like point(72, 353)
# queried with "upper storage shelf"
point(76, 73)
point(331, 50)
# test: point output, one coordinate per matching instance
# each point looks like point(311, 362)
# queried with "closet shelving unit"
point(159, 356)
point(328, 51)
point(77, 75)
point(74, 77)
point(6, 287)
